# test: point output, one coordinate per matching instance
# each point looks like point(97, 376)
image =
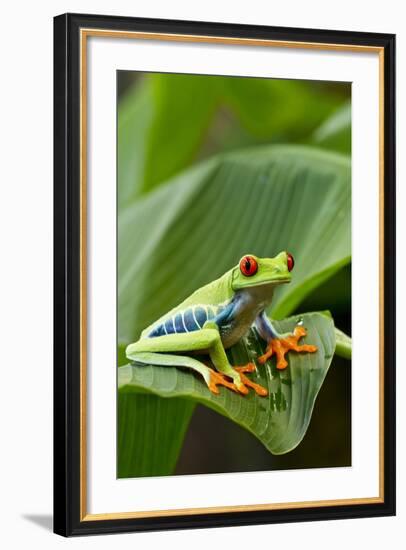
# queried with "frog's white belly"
point(230, 335)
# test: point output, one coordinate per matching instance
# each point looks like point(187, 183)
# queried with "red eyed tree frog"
point(217, 316)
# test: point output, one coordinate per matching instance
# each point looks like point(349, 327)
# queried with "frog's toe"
point(241, 387)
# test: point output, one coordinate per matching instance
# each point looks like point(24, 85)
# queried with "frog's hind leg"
point(211, 377)
point(151, 351)
point(166, 360)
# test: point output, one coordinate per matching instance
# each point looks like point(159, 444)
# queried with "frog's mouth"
point(275, 281)
point(280, 280)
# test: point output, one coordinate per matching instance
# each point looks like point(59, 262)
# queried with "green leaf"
point(343, 344)
point(197, 226)
point(161, 123)
point(167, 121)
point(135, 117)
point(183, 108)
point(335, 132)
point(271, 108)
point(279, 420)
point(150, 433)
point(334, 294)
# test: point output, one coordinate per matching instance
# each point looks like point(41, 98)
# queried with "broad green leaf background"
point(335, 132)
point(279, 420)
point(210, 168)
point(170, 121)
point(151, 431)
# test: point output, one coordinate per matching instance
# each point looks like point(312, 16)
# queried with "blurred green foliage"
point(166, 122)
point(185, 199)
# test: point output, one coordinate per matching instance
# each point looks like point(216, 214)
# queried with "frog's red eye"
point(248, 266)
point(290, 261)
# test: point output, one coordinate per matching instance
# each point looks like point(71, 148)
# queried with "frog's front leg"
point(280, 344)
point(156, 350)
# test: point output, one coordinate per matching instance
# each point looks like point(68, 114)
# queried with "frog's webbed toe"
point(281, 346)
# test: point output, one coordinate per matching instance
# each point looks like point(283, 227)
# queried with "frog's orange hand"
point(280, 346)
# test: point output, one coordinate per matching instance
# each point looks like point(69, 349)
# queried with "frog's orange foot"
point(250, 367)
point(219, 379)
point(280, 346)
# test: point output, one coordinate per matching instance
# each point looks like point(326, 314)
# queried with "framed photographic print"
point(224, 274)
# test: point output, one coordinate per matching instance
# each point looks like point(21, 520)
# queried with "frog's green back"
point(213, 293)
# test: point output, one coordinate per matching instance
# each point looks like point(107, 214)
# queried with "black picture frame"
point(68, 520)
